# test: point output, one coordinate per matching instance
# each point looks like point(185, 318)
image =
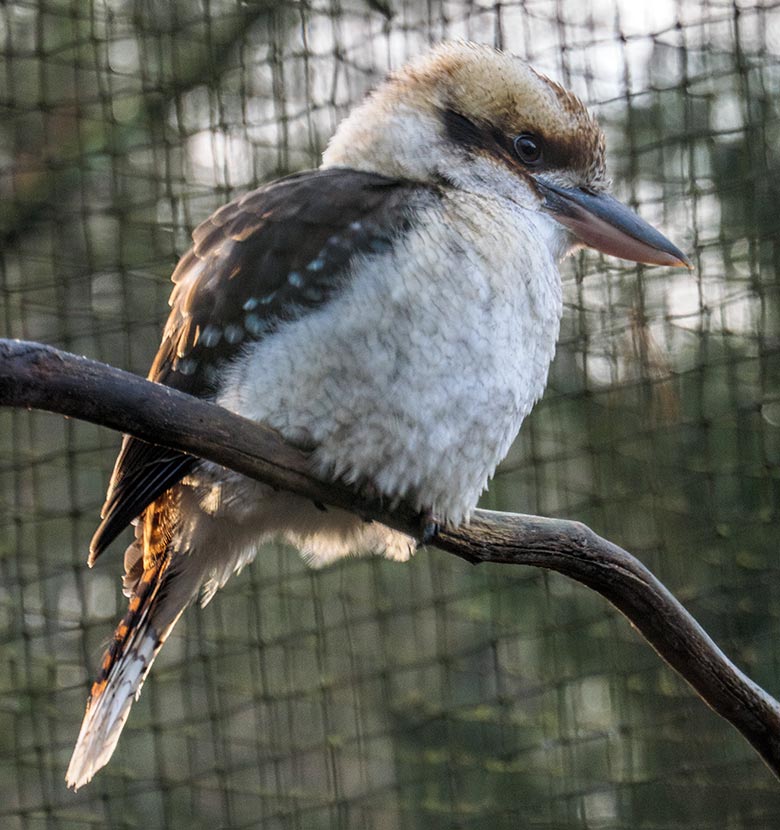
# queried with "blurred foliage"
point(371, 695)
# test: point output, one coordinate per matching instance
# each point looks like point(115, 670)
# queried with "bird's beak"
point(607, 225)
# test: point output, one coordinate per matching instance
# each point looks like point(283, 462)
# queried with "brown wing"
point(268, 257)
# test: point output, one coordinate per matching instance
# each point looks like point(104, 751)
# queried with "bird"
point(394, 312)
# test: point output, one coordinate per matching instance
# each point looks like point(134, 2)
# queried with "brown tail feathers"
point(153, 612)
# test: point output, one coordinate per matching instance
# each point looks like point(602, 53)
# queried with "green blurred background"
point(432, 694)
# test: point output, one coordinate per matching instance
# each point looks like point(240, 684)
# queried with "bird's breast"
point(417, 375)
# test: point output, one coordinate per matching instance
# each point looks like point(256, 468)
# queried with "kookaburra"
point(394, 311)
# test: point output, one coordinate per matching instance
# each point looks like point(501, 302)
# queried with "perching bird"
point(395, 311)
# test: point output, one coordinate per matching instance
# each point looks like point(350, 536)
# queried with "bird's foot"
point(370, 492)
point(429, 528)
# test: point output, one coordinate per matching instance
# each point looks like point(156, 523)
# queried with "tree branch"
point(37, 376)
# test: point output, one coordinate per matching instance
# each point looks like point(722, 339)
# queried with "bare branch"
point(37, 376)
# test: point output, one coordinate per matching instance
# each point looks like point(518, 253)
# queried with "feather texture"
point(271, 256)
point(137, 641)
point(395, 311)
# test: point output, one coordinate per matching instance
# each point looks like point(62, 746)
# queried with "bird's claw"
point(368, 491)
point(429, 528)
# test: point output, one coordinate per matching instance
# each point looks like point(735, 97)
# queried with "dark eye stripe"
point(583, 154)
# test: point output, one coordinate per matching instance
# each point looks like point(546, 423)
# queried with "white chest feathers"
point(417, 375)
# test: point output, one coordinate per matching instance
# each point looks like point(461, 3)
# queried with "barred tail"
point(138, 638)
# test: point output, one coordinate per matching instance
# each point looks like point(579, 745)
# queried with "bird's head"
point(483, 121)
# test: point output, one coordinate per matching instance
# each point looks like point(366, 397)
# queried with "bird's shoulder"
point(271, 256)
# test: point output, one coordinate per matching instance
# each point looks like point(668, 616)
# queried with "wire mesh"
point(373, 695)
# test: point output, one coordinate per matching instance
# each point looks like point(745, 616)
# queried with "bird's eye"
point(528, 148)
